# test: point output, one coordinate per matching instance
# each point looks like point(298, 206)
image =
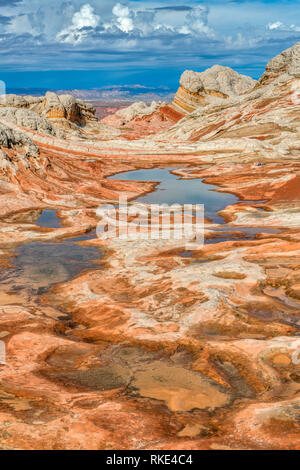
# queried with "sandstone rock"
point(32, 100)
point(258, 114)
point(198, 89)
point(137, 351)
point(13, 100)
point(52, 113)
point(287, 62)
point(16, 150)
point(139, 119)
point(27, 118)
point(138, 110)
point(67, 107)
point(217, 79)
point(72, 111)
point(17, 101)
point(10, 138)
point(52, 107)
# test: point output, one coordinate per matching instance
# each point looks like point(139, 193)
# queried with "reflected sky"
point(173, 190)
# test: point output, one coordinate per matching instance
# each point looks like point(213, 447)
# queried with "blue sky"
point(93, 43)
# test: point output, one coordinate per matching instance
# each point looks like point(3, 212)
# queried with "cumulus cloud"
point(278, 25)
point(139, 22)
point(197, 22)
point(143, 33)
point(82, 20)
point(193, 21)
point(123, 17)
point(85, 17)
point(240, 41)
point(275, 25)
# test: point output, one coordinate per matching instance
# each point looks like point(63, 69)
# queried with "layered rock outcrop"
point(66, 107)
point(136, 110)
point(283, 66)
point(53, 113)
point(53, 106)
point(10, 138)
point(28, 119)
point(199, 88)
point(140, 119)
point(258, 115)
point(151, 346)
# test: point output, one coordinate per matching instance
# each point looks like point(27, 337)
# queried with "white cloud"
point(21, 25)
point(240, 41)
point(145, 22)
point(121, 11)
point(184, 30)
point(107, 33)
point(84, 18)
point(278, 25)
point(196, 22)
point(275, 25)
point(124, 17)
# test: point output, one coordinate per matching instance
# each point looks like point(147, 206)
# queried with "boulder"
point(137, 110)
point(29, 119)
point(13, 100)
point(10, 138)
point(217, 79)
point(200, 88)
point(286, 63)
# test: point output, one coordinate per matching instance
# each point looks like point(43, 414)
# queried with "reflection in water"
point(39, 265)
point(49, 219)
point(173, 190)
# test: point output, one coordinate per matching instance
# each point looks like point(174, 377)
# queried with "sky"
point(62, 44)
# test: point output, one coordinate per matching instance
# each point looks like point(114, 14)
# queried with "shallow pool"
point(173, 190)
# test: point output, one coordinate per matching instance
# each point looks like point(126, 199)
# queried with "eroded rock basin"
point(156, 347)
point(37, 266)
point(139, 373)
point(183, 342)
point(174, 190)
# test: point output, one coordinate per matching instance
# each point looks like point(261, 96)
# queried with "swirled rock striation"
point(199, 88)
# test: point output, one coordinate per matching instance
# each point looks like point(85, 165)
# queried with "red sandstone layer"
point(148, 349)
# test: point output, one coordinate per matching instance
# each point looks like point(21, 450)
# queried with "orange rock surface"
point(129, 344)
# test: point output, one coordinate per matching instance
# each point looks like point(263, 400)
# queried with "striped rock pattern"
point(199, 89)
